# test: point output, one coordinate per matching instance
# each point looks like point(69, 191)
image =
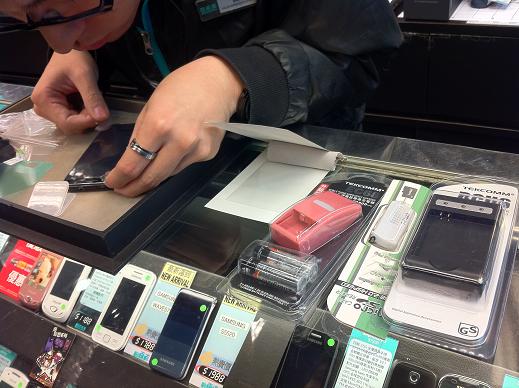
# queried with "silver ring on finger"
point(134, 146)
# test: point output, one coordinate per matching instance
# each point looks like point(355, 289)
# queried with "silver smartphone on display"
point(182, 333)
point(70, 280)
point(125, 303)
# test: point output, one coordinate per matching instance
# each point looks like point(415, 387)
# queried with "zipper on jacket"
point(147, 42)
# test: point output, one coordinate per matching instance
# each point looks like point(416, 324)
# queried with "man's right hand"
point(65, 75)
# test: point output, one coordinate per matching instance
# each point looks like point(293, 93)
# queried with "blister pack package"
point(289, 271)
point(453, 281)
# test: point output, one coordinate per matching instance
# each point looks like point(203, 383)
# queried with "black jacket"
point(301, 60)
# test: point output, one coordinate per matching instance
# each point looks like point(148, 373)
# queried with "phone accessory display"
point(50, 361)
point(125, 303)
point(359, 293)
point(288, 282)
point(314, 221)
point(36, 285)
point(454, 280)
point(13, 378)
point(70, 280)
point(308, 359)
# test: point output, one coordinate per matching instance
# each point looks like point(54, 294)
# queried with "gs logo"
point(468, 330)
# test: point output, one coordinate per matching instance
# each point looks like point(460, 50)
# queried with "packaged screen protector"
point(448, 296)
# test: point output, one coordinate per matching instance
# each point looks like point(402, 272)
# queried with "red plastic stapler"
point(314, 221)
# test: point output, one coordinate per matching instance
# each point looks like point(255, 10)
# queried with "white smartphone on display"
point(70, 280)
point(125, 303)
point(11, 377)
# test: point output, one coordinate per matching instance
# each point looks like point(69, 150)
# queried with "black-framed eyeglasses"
point(9, 24)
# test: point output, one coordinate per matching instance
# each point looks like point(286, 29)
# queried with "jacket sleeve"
point(317, 61)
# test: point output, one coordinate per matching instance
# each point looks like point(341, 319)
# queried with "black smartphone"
point(457, 381)
point(100, 157)
point(454, 239)
point(182, 333)
point(411, 376)
point(308, 359)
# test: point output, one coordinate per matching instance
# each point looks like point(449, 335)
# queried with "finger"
point(131, 164)
point(92, 97)
point(67, 120)
point(155, 173)
point(206, 149)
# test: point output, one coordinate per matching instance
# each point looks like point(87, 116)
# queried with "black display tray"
point(110, 249)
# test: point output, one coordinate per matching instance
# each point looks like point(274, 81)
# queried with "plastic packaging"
point(314, 221)
point(452, 287)
point(280, 268)
point(30, 133)
point(49, 197)
point(289, 283)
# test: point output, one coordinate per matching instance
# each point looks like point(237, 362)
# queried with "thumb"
point(92, 97)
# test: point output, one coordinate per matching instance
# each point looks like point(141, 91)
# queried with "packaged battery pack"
point(285, 269)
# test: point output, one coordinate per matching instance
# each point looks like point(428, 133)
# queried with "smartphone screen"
point(122, 305)
point(181, 333)
point(67, 280)
point(99, 158)
point(411, 376)
point(308, 359)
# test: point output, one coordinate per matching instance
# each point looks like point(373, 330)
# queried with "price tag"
point(510, 382)
point(366, 362)
point(7, 358)
point(230, 328)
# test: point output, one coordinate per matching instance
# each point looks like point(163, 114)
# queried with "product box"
point(17, 267)
point(361, 289)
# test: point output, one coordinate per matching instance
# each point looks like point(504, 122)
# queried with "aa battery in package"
point(322, 227)
point(452, 286)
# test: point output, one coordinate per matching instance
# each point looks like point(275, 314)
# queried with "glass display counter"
point(209, 242)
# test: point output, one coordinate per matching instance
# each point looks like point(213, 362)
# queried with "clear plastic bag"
point(29, 133)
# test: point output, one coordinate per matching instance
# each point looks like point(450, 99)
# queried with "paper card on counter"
point(285, 173)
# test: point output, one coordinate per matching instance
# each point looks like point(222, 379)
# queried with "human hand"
point(65, 75)
point(173, 124)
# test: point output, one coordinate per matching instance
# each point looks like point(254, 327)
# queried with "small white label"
point(232, 5)
point(13, 161)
